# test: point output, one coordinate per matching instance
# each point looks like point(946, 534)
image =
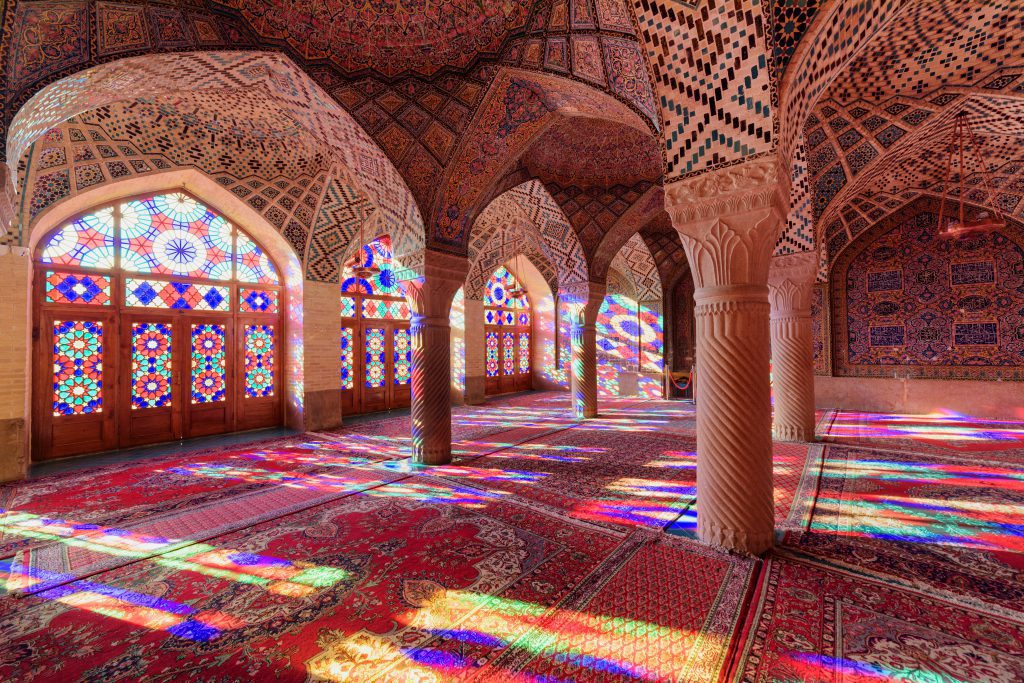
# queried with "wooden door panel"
point(148, 393)
point(74, 366)
point(207, 398)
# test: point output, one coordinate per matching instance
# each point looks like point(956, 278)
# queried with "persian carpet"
point(810, 622)
point(939, 434)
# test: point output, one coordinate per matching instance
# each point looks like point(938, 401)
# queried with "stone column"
point(432, 296)
point(476, 370)
point(790, 286)
point(729, 220)
point(584, 303)
point(321, 357)
point(15, 365)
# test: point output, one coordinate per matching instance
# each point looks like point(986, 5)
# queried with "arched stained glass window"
point(508, 331)
point(376, 345)
point(165, 316)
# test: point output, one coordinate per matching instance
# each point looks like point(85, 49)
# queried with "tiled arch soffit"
point(525, 219)
point(337, 175)
point(869, 124)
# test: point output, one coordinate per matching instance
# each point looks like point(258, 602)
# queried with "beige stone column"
point(476, 361)
point(15, 368)
point(321, 330)
point(728, 221)
point(584, 303)
point(432, 297)
point(790, 286)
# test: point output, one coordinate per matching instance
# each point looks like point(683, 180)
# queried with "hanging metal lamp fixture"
point(989, 217)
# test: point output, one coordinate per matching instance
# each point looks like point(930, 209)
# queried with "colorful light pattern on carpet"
point(537, 555)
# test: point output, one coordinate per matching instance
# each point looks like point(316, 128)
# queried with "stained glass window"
point(257, 300)
point(209, 364)
point(524, 352)
point(498, 287)
point(77, 367)
point(376, 309)
point(383, 283)
point(348, 307)
point(492, 354)
point(87, 242)
point(151, 365)
point(259, 361)
point(508, 352)
point(376, 370)
point(76, 288)
point(403, 356)
point(143, 293)
point(173, 234)
point(252, 264)
point(347, 380)
point(511, 318)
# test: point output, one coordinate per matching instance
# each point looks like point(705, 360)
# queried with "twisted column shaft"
point(735, 507)
point(793, 377)
point(583, 341)
point(790, 283)
point(431, 387)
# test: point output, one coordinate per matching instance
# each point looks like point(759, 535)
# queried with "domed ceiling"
point(392, 37)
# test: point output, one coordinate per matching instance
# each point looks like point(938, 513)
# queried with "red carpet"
point(940, 433)
point(812, 623)
point(537, 556)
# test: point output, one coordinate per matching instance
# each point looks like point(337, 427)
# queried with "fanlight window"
point(166, 235)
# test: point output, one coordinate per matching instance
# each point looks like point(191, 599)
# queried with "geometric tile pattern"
point(341, 213)
point(798, 233)
point(635, 260)
point(278, 108)
point(593, 211)
point(526, 219)
point(876, 137)
point(666, 248)
point(712, 74)
point(949, 307)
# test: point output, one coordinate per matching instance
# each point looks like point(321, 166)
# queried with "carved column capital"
point(443, 275)
point(791, 284)
point(729, 220)
point(584, 300)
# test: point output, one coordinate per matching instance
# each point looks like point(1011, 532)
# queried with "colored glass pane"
point(257, 301)
point(87, 242)
point(252, 264)
point(523, 317)
point(508, 353)
point(209, 364)
point(151, 365)
point(507, 318)
point(173, 234)
point(524, 352)
point(492, 354)
point(77, 367)
point(143, 293)
point(403, 356)
point(376, 254)
point(347, 381)
point(348, 307)
point(377, 309)
point(376, 370)
point(76, 288)
point(498, 287)
point(259, 361)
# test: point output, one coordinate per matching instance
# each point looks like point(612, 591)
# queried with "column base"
point(431, 456)
point(736, 540)
point(792, 433)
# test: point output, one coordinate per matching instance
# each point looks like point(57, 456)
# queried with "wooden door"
point(150, 393)
point(211, 372)
point(258, 376)
point(74, 368)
